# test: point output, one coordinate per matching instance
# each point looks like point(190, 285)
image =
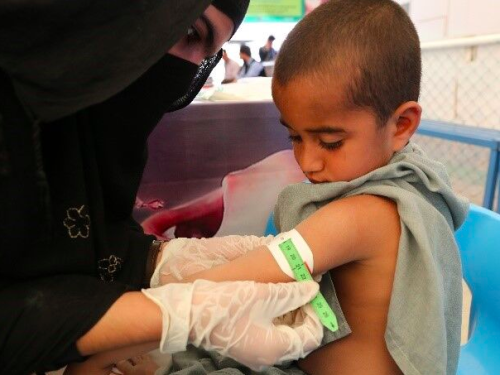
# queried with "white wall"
point(445, 19)
point(478, 17)
point(434, 19)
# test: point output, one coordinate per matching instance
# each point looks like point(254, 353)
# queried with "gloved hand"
point(183, 257)
point(236, 319)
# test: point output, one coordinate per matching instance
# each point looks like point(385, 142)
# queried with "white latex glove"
point(183, 257)
point(236, 319)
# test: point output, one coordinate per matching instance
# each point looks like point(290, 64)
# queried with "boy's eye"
point(331, 145)
point(295, 138)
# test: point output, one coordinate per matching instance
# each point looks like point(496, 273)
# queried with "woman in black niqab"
point(82, 85)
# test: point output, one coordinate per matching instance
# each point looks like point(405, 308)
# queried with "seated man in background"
point(251, 67)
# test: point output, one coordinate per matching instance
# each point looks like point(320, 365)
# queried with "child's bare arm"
point(344, 231)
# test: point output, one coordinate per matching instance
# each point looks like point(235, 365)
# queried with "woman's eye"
point(192, 35)
point(331, 145)
point(294, 138)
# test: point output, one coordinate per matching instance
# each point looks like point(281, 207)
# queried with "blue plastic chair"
point(479, 243)
point(270, 228)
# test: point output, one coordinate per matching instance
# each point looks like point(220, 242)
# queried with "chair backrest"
point(270, 227)
point(479, 243)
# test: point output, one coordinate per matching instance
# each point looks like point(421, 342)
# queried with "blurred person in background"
point(267, 52)
point(251, 67)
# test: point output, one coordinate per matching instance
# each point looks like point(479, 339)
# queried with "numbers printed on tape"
point(301, 273)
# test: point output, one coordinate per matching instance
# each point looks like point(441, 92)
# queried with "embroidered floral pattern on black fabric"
point(77, 222)
point(109, 266)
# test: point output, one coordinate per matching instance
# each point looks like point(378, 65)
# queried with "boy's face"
point(331, 143)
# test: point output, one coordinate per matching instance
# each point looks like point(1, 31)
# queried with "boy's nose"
point(310, 163)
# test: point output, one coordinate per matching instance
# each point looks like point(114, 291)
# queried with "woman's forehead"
point(220, 25)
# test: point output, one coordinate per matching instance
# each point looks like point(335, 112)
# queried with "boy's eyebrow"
point(209, 43)
point(326, 129)
point(321, 129)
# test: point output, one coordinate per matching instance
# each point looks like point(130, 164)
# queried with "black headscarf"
point(234, 9)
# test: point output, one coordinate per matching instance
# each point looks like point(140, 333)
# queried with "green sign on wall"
point(275, 10)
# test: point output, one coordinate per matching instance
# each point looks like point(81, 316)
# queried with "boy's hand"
point(184, 257)
point(236, 319)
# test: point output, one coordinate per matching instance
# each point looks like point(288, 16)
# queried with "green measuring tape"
point(301, 273)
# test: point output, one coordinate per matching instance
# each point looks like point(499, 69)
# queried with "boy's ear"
point(406, 119)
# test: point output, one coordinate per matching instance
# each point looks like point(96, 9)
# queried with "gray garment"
point(424, 319)
point(196, 361)
point(423, 329)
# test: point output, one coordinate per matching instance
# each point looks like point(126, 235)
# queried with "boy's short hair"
point(369, 47)
point(246, 50)
point(271, 38)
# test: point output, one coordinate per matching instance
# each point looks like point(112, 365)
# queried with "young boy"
point(378, 216)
